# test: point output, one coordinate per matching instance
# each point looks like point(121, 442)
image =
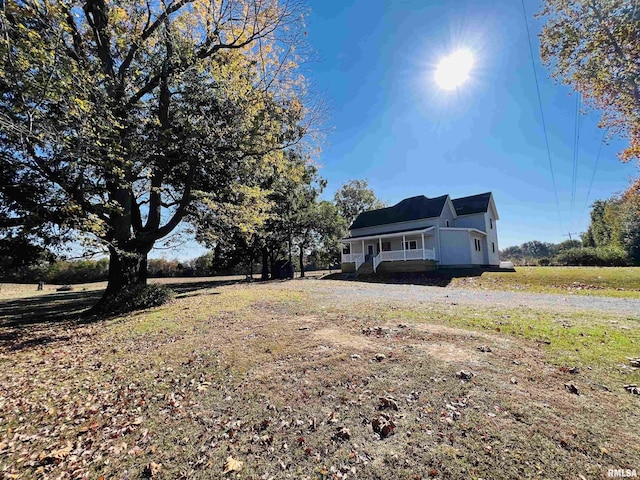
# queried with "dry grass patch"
point(280, 378)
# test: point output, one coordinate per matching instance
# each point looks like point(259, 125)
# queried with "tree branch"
point(95, 11)
point(616, 46)
point(148, 31)
point(181, 210)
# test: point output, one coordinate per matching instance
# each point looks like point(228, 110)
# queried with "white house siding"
point(493, 257)
point(393, 227)
point(477, 257)
point(476, 220)
point(447, 215)
point(455, 248)
point(481, 222)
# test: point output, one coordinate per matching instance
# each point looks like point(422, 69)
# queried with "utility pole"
point(569, 235)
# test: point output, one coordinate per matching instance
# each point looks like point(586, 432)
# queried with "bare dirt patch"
point(288, 383)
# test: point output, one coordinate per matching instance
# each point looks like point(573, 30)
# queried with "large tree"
point(121, 119)
point(355, 197)
point(594, 46)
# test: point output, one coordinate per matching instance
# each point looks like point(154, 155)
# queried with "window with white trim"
point(447, 223)
point(490, 222)
point(411, 245)
point(386, 246)
point(493, 247)
point(476, 244)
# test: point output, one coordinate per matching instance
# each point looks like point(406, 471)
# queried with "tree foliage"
point(122, 119)
point(594, 46)
point(355, 197)
point(615, 222)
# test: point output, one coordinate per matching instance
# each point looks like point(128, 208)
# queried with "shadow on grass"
point(183, 288)
point(43, 319)
point(433, 278)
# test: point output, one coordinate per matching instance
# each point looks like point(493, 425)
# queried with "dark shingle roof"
point(473, 204)
point(413, 208)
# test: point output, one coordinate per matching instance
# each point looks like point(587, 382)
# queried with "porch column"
point(404, 247)
point(380, 245)
point(424, 252)
point(363, 255)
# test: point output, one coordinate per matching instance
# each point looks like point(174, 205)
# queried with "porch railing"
point(349, 257)
point(376, 261)
point(429, 254)
point(401, 255)
point(391, 256)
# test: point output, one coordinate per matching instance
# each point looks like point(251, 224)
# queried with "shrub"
point(138, 297)
point(593, 257)
point(543, 262)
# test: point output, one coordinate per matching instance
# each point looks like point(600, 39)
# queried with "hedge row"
point(589, 257)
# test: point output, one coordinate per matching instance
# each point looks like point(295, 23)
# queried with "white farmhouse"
point(421, 233)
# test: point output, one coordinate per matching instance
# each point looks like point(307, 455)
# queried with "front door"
point(369, 255)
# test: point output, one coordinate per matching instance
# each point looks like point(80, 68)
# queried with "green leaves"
point(131, 116)
point(355, 197)
point(595, 48)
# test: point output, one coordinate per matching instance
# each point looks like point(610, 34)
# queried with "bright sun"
point(453, 70)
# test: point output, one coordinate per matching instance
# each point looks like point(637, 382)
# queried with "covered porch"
point(403, 246)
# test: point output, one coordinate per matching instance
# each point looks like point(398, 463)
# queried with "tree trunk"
point(301, 261)
point(265, 264)
point(126, 269)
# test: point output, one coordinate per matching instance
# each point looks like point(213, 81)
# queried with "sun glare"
point(453, 70)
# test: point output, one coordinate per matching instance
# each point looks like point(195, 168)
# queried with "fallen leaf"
point(152, 469)
point(61, 453)
point(232, 465)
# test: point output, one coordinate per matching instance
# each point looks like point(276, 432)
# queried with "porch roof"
point(395, 233)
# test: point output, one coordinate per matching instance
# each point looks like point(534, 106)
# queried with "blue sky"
point(393, 126)
point(389, 123)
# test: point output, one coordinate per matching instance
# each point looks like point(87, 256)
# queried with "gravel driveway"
point(347, 291)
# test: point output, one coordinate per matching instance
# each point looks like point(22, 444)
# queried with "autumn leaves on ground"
point(313, 379)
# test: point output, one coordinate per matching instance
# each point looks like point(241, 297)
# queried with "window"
point(411, 245)
point(493, 247)
point(476, 244)
point(447, 223)
point(491, 223)
point(346, 249)
point(386, 246)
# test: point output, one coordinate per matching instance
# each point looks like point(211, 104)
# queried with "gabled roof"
point(473, 204)
point(413, 208)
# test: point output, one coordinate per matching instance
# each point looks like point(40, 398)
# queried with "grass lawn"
point(290, 380)
point(620, 282)
point(623, 282)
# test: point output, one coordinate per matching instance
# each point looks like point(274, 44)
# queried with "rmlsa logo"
point(621, 473)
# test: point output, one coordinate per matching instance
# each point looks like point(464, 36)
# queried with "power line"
point(593, 174)
point(544, 125)
point(574, 173)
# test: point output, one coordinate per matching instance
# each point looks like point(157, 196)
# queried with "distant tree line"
point(536, 252)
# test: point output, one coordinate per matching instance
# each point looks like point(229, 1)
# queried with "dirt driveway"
point(347, 291)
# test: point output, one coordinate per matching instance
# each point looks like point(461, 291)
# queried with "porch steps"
point(366, 269)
